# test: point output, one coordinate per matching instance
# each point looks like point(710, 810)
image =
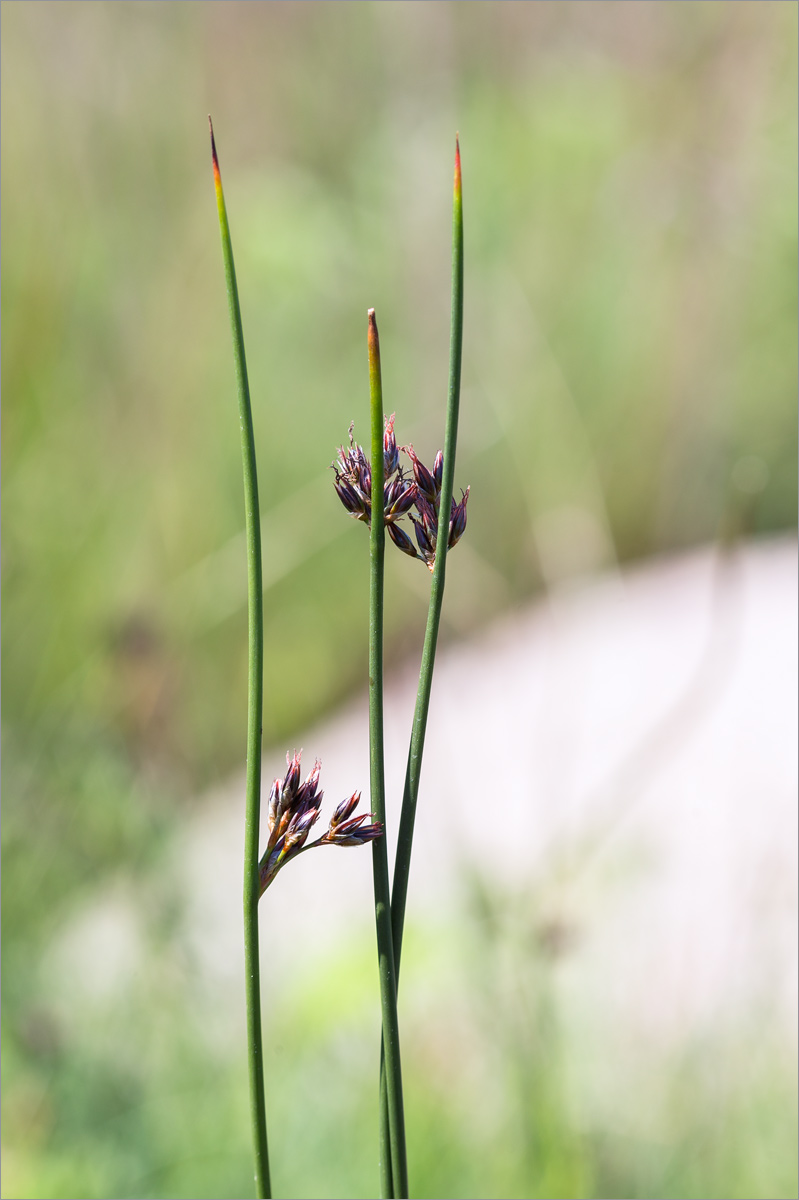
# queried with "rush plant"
point(381, 494)
point(381, 491)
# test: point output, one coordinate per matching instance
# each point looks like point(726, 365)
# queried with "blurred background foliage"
point(630, 183)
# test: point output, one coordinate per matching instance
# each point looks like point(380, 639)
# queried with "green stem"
point(254, 706)
point(393, 1164)
point(414, 767)
point(402, 863)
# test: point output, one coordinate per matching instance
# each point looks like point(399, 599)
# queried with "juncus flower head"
point(427, 504)
point(418, 498)
point(292, 812)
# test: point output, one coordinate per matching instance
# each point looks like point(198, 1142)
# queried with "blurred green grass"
point(495, 1089)
point(630, 176)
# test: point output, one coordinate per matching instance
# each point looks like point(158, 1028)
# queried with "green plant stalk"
point(254, 706)
point(402, 864)
point(393, 1163)
point(414, 767)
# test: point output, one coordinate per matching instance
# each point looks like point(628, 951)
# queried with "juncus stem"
point(413, 771)
point(393, 1164)
point(254, 706)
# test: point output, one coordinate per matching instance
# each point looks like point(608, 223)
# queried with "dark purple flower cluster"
point(294, 809)
point(422, 492)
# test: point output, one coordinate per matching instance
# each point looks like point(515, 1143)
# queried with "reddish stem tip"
point(457, 165)
point(213, 147)
point(373, 339)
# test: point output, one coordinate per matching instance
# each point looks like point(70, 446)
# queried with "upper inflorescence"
point(401, 494)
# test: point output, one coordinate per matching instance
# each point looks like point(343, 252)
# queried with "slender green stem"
point(254, 706)
point(393, 1164)
point(411, 792)
point(402, 863)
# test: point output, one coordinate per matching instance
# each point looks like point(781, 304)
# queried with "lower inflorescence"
point(294, 810)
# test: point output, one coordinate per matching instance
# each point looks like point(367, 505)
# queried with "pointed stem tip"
point(213, 150)
point(457, 166)
point(373, 339)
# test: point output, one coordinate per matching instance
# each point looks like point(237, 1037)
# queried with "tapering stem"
point(393, 1164)
point(254, 706)
point(402, 863)
point(411, 792)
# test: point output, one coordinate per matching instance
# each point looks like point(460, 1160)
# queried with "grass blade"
point(254, 705)
point(402, 863)
point(413, 772)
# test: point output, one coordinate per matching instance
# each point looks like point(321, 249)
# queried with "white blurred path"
point(628, 750)
point(625, 754)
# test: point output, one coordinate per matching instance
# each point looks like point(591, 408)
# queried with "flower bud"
point(401, 540)
point(390, 451)
point(344, 809)
point(353, 833)
point(427, 548)
point(438, 470)
point(275, 805)
point(356, 504)
point(398, 498)
point(424, 480)
point(457, 522)
point(299, 829)
point(428, 513)
point(292, 781)
point(309, 793)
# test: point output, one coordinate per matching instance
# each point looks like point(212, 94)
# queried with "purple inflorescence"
point(293, 810)
point(401, 495)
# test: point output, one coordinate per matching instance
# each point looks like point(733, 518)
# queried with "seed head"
point(401, 495)
point(294, 810)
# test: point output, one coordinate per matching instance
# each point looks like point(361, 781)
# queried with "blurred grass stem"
point(254, 705)
point(393, 1163)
